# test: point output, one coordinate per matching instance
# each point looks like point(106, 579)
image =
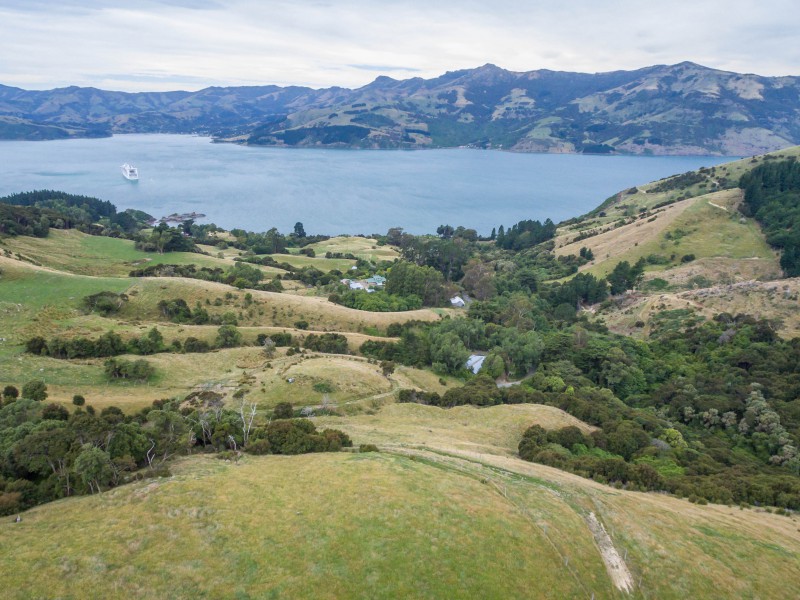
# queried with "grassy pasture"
point(279, 310)
point(495, 429)
point(322, 526)
point(72, 251)
point(458, 523)
point(710, 227)
point(366, 248)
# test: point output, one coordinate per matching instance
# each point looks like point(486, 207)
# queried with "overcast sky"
point(183, 44)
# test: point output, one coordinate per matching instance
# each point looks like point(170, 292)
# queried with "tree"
point(283, 410)
point(48, 452)
point(268, 347)
point(448, 352)
point(55, 412)
point(10, 393)
point(299, 231)
point(94, 467)
point(625, 277)
point(445, 231)
point(534, 438)
point(247, 413)
point(228, 337)
point(407, 279)
point(387, 367)
point(78, 400)
point(35, 390)
point(479, 279)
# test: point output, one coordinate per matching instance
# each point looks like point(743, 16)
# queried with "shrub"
point(330, 343)
point(10, 393)
point(136, 370)
point(228, 337)
point(55, 412)
point(35, 390)
point(283, 410)
point(368, 448)
point(532, 441)
point(192, 344)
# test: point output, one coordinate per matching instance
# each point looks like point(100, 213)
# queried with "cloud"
point(384, 68)
point(172, 44)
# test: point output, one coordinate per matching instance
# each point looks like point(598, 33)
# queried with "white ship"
point(130, 172)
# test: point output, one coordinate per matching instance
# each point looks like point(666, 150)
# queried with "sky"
point(160, 45)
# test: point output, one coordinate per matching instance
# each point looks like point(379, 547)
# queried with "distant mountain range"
point(676, 109)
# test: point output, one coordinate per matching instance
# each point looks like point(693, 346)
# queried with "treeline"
point(408, 287)
point(239, 275)
point(68, 211)
point(32, 222)
point(112, 344)
point(271, 241)
point(377, 301)
point(164, 238)
point(772, 196)
point(525, 234)
point(447, 255)
point(47, 453)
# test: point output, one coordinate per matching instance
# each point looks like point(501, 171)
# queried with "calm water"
point(330, 191)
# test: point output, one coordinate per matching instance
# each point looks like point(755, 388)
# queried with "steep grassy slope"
point(703, 255)
point(707, 227)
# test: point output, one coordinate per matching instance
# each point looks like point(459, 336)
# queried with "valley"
point(625, 453)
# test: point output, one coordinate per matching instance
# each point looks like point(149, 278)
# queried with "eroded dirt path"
point(617, 569)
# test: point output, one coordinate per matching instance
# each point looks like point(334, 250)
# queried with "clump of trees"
point(50, 453)
point(423, 283)
point(378, 301)
point(771, 193)
point(330, 343)
point(111, 344)
point(104, 303)
point(132, 370)
point(240, 275)
point(525, 234)
point(164, 238)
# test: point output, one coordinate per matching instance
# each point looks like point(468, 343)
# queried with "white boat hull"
point(130, 172)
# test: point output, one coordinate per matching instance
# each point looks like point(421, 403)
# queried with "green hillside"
point(387, 526)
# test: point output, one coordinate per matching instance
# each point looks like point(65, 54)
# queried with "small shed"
point(475, 362)
point(457, 302)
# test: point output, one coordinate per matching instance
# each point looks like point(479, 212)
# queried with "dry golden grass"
point(418, 379)
point(317, 380)
point(317, 526)
point(611, 246)
point(495, 429)
point(366, 248)
point(270, 309)
point(709, 227)
point(770, 299)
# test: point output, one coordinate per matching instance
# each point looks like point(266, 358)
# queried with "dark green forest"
point(772, 196)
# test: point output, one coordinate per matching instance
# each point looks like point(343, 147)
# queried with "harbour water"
point(330, 191)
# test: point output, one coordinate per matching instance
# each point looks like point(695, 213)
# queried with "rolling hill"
point(664, 109)
point(438, 502)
